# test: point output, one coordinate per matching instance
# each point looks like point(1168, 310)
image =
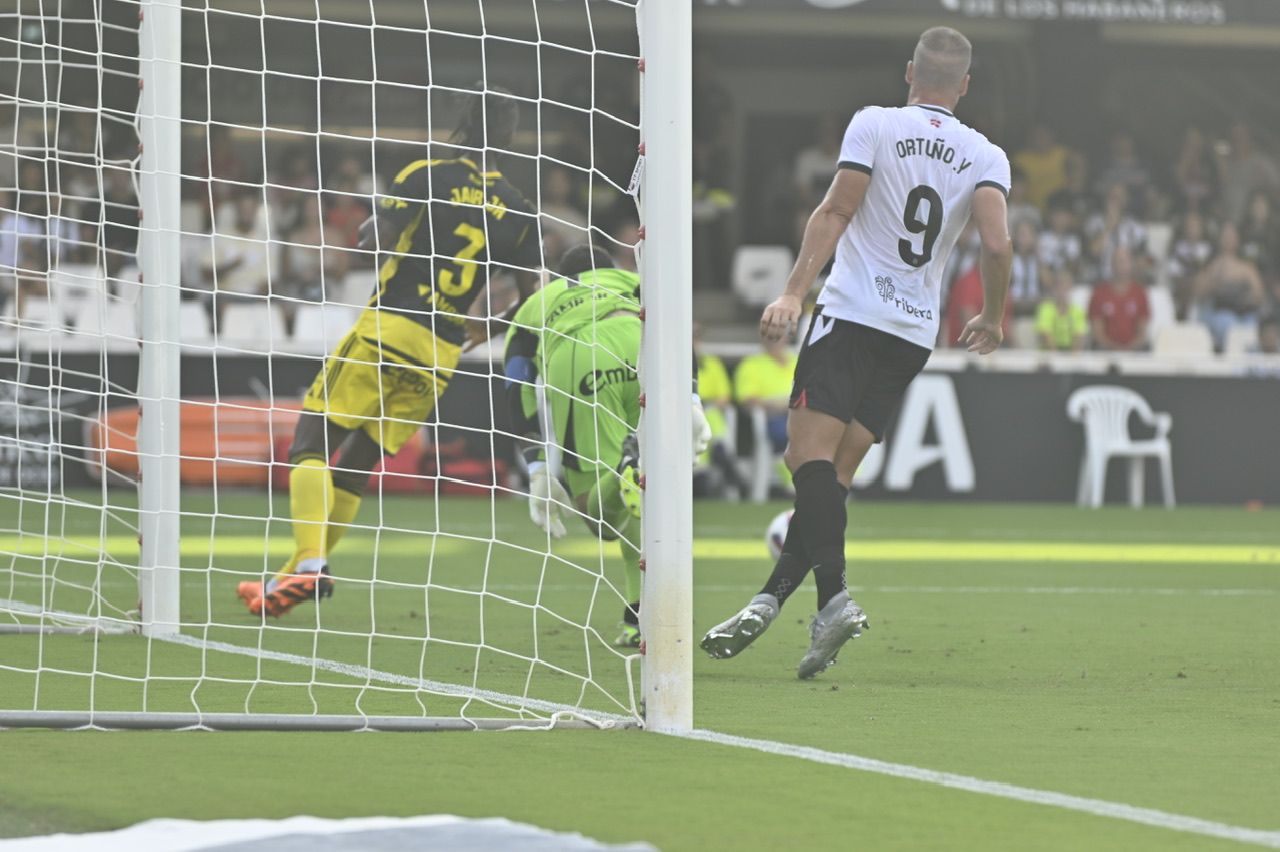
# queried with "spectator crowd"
point(1100, 249)
point(1092, 258)
point(249, 230)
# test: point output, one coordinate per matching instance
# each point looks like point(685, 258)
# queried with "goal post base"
point(108, 720)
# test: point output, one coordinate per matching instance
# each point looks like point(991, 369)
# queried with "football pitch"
point(1128, 657)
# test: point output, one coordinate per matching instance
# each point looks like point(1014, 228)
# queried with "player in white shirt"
point(907, 181)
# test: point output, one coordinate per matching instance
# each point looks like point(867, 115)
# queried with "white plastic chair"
point(1105, 410)
point(949, 361)
point(254, 326)
point(1013, 361)
point(42, 325)
point(759, 273)
point(73, 282)
point(318, 328)
point(196, 327)
point(1183, 338)
point(1163, 312)
point(127, 284)
point(355, 290)
point(191, 217)
point(108, 324)
point(1081, 294)
point(1241, 339)
point(1023, 334)
point(39, 314)
point(1159, 238)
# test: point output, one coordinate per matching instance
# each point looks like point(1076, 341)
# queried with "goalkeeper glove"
point(701, 428)
point(547, 498)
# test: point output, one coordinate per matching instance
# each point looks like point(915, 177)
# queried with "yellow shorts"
point(384, 377)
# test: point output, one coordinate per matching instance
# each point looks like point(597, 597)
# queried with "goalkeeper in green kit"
point(580, 334)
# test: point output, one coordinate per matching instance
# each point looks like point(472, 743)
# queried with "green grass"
point(1153, 679)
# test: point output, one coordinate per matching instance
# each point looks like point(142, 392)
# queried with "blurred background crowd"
point(1102, 247)
point(1145, 207)
point(1136, 211)
point(1130, 216)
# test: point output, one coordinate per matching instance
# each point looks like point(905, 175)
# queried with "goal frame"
point(159, 327)
point(666, 362)
point(665, 262)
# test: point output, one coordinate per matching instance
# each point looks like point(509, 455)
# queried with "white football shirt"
point(924, 166)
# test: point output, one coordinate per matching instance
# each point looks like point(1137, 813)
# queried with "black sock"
point(631, 614)
point(821, 513)
point(792, 566)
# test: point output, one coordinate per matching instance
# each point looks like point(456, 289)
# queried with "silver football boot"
point(838, 622)
point(729, 638)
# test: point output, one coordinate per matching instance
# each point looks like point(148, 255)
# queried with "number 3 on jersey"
point(930, 225)
point(465, 261)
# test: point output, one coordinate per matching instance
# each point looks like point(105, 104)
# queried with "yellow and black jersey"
point(450, 222)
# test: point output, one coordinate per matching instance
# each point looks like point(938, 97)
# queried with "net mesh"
point(297, 119)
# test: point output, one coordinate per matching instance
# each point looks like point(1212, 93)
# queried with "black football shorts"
point(854, 372)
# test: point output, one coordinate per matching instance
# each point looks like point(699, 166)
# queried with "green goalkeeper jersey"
point(563, 309)
point(532, 317)
point(556, 311)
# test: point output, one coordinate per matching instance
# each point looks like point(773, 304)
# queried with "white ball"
point(777, 533)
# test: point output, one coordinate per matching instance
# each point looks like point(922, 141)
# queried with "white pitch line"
point(366, 673)
point(860, 533)
point(599, 717)
point(923, 590)
point(1095, 807)
point(1063, 590)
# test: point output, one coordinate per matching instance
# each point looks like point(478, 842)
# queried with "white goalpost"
point(179, 195)
point(667, 268)
point(159, 262)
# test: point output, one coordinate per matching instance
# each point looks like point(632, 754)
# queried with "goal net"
point(181, 248)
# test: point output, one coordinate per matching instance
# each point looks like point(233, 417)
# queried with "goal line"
point(557, 715)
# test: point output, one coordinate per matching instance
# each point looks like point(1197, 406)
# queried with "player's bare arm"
point(828, 222)
point(984, 333)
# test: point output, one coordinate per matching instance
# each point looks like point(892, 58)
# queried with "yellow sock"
point(290, 566)
point(345, 506)
point(311, 497)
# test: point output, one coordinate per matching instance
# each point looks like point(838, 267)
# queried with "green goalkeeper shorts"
point(593, 392)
